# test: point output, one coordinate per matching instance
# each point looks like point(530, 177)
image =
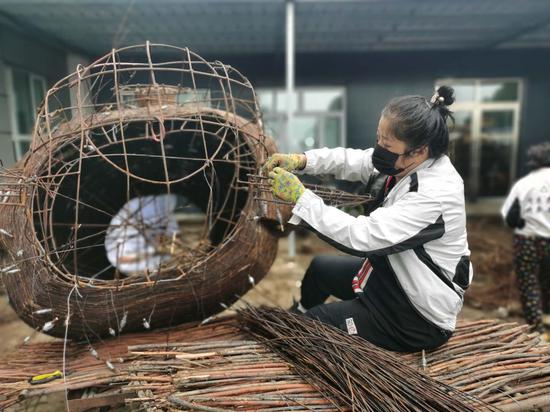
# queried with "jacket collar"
point(424, 165)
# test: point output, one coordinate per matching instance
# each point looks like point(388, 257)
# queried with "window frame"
point(16, 136)
point(477, 107)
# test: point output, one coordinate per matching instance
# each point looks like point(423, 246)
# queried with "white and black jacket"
point(527, 207)
point(417, 235)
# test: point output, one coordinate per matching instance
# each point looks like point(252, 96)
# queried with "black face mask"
point(384, 161)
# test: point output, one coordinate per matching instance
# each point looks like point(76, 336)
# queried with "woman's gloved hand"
point(290, 162)
point(285, 185)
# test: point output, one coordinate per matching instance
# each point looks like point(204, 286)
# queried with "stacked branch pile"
point(219, 366)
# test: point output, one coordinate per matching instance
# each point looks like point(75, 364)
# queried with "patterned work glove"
point(290, 162)
point(285, 185)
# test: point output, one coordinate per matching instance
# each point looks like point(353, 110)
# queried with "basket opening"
point(200, 161)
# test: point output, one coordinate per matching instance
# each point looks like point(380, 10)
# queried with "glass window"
point(318, 118)
point(460, 149)
point(462, 126)
point(39, 91)
point(495, 160)
point(305, 134)
point(266, 99)
point(489, 90)
point(24, 146)
point(496, 151)
point(484, 139)
point(464, 91)
point(282, 101)
point(499, 91)
point(497, 122)
point(274, 126)
point(322, 100)
point(332, 132)
point(24, 110)
point(27, 91)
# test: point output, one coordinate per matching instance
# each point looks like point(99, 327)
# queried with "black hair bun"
point(448, 94)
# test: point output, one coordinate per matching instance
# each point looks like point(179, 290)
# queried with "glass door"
point(461, 149)
point(485, 134)
point(497, 140)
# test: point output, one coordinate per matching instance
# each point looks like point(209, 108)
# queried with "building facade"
point(503, 94)
point(28, 66)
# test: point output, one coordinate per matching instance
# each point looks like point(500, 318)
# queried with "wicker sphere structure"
point(141, 128)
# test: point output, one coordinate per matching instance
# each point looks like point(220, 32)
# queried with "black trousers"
point(333, 275)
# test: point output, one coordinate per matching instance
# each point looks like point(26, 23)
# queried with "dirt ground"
point(492, 294)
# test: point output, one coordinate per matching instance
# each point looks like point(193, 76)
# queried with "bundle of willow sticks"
point(348, 368)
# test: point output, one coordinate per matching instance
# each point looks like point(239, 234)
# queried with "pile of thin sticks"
point(93, 366)
point(236, 375)
point(348, 368)
point(501, 363)
point(216, 366)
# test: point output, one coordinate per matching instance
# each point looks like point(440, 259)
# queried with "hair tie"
point(437, 99)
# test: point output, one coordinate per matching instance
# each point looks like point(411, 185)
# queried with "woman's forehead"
point(384, 129)
point(387, 138)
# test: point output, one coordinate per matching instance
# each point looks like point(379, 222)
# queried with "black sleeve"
point(513, 217)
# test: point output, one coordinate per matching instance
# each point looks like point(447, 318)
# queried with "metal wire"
point(139, 124)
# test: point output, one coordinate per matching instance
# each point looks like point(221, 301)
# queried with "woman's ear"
point(422, 151)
